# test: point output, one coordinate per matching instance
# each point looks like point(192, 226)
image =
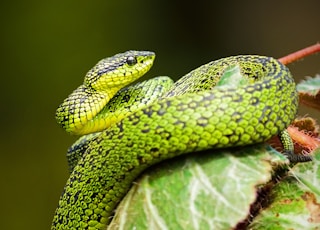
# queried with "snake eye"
point(131, 60)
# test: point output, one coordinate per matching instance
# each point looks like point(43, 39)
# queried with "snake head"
point(119, 70)
point(101, 83)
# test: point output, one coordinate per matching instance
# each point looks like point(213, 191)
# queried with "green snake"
point(196, 113)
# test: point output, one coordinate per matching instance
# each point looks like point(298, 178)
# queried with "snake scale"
point(195, 113)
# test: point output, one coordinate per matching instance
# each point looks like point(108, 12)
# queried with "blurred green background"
point(48, 46)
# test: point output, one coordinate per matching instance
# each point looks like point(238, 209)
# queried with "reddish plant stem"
point(303, 139)
point(300, 54)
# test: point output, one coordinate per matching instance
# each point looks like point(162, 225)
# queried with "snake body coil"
point(192, 116)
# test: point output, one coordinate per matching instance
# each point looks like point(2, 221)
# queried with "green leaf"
point(310, 85)
point(295, 200)
point(309, 92)
point(232, 77)
point(213, 190)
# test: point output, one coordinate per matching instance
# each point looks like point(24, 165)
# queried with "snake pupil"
point(131, 60)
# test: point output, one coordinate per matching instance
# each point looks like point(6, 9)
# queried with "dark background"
point(48, 46)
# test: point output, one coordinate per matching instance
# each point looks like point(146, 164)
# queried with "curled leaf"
point(309, 92)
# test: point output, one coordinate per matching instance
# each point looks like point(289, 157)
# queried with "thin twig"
point(300, 54)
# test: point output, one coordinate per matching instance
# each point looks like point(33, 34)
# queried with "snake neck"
point(72, 114)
